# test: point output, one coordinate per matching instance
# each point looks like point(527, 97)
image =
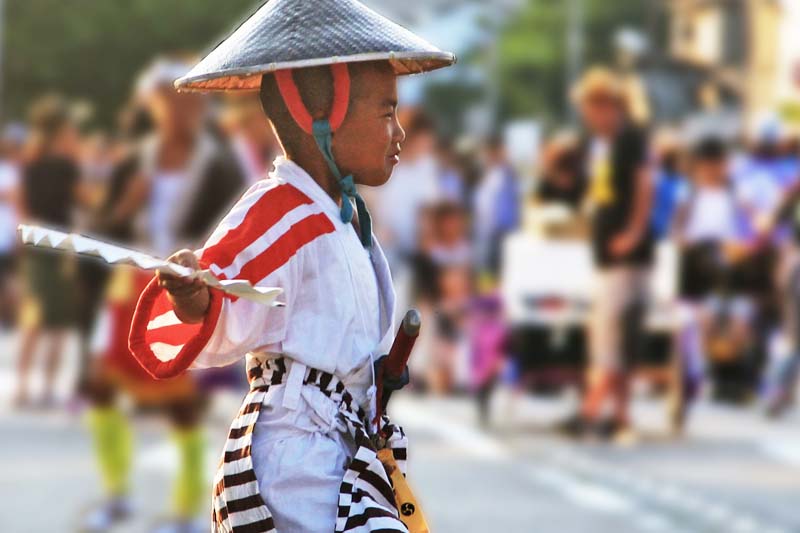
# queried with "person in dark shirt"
point(49, 189)
point(48, 184)
point(615, 162)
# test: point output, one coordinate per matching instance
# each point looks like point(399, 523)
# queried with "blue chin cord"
point(324, 137)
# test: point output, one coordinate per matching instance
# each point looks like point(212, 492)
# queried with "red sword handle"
point(392, 367)
point(395, 363)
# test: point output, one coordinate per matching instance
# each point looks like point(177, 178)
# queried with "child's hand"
point(189, 297)
point(176, 285)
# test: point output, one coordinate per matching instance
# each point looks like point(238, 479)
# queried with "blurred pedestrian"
point(449, 361)
point(781, 384)
point(179, 173)
point(761, 177)
point(173, 186)
point(400, 207)
point(414, 185)
point(488, 347)
point(450, 245)
point(496, 204)
point(11, 145)
point(95, 163)
point(50, 190)
point(450, 255)
point(616, 160)
point(712, 231)
point(250, 136)
point(670, 184)
point(451, 177)
point(710, 217)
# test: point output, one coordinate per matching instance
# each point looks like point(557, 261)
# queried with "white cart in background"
point(547, 296)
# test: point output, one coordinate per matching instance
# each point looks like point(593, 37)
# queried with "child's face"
point(454, 283)
point(367, 145)
point(451, 228)
point(711, 171)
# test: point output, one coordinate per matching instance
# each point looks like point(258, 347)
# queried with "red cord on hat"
point(294, 102)
point(341, 94)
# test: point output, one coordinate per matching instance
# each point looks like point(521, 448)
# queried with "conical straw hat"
point(288, 34)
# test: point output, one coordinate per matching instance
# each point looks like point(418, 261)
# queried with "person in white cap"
point(301, 456)
point(176, 184)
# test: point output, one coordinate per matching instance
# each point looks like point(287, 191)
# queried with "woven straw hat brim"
point(249, 78)
point(287, 34)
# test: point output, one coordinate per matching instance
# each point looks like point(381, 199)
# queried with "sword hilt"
point(392, 372)
point(395, 363)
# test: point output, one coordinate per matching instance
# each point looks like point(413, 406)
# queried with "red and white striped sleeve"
point(260, 240)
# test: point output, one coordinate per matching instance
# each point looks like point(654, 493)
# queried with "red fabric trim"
point(286, 246)
point(294, 103)
point(261, 216)
point(341, 94)
point(140, 347)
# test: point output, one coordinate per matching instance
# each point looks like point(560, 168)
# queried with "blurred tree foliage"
point(532, 50)
point(94, 49)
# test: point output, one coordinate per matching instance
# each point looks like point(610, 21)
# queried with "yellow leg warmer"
point(113, 444)
point(190, 490)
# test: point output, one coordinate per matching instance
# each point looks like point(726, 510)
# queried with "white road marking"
point(586, 494)
point(588, 482)
point(413, 414)
point(785, 451)
point(672, 497)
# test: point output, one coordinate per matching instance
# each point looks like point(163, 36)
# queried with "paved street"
point(733, 472)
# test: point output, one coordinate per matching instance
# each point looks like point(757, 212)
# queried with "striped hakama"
point(366, 498)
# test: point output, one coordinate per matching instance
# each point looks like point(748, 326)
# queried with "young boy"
point(300, 455)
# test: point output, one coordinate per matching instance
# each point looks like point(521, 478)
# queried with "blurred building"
point(750, 48)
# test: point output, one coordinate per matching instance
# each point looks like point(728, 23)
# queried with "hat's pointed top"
point(286, 34)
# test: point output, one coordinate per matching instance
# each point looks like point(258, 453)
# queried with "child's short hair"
point(446, 209)
point(710, 149)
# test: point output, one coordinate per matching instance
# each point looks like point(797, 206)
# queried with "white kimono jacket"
point(286, 232)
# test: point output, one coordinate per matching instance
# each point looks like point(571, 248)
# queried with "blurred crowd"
point(711, 208)
point(724, 201)
point(728, 205)
point(160, 179)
